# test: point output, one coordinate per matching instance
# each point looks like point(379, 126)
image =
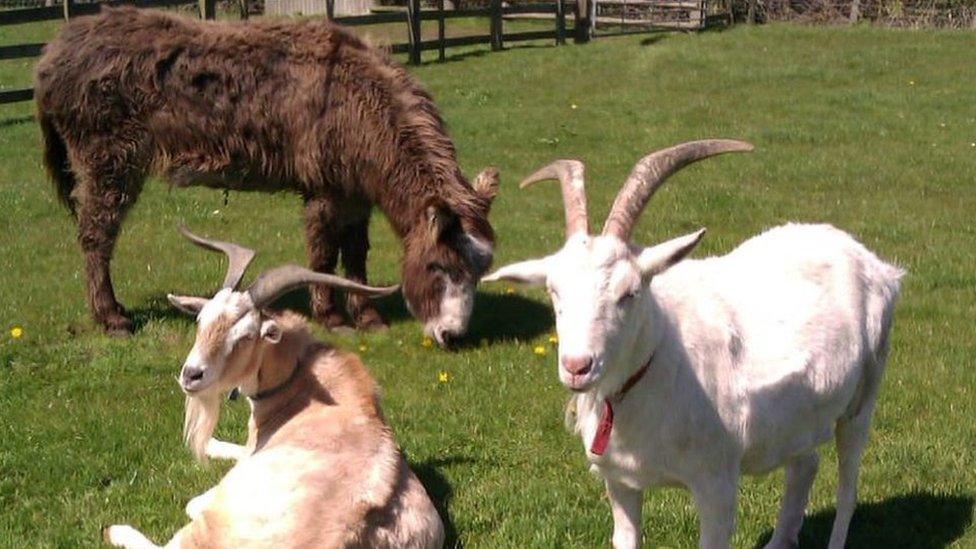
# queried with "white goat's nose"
point(577, 365)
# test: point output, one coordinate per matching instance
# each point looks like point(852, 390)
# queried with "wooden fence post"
point(496, 25)
point(413, 22)
point(208, 9)
point(441, 56)
point(68, 4)
point(330, 9)
point(584, 25)
point(560, 22)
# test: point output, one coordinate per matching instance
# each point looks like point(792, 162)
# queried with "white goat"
point(321, 466)
point(716, 367)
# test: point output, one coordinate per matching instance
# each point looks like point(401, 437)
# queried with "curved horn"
point(238, 257)
point(572, 176)
point(276, 282)
point(651, 172)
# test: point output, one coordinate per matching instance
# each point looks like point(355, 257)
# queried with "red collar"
point(602, 437)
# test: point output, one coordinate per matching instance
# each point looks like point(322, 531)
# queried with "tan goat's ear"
point(657, 259)
point(189, 304)
point(270, 331)
point(486, 183)
point(440, 219)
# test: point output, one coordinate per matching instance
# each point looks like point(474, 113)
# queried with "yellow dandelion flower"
point(510, 290)
point(540, 350)
point(553, 339)
point(443, 376)
point(911, 82)
point(427, 342)
point(573, 106)
point(16, 332)
point(363, 348)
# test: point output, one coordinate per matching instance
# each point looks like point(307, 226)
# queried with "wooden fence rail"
point(412, 17)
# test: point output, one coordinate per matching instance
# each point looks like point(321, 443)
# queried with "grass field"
point(872, 130)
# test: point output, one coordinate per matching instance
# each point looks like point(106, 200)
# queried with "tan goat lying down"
point(321, 468)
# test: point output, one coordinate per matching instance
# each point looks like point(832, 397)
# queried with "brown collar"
point(277, 389)
point(603, 430)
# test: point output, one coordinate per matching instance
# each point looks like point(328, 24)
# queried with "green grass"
point(869, 129)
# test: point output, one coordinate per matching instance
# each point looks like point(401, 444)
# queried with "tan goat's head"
point(598, 284)
point(234, 330)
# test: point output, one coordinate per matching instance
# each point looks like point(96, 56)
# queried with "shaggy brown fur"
point(261, 105)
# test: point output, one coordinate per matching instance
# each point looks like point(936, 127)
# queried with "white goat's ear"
point(270, 331)
point(189, 304)
point(528, 273)
point(657, 259)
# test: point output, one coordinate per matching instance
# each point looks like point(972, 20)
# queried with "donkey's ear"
point(188, 304)
point(657, 259)
point(528, 273)
point(441, 219)
point(486, 184)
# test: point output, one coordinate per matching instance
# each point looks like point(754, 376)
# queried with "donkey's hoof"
point(119, 325)
point(371, 321)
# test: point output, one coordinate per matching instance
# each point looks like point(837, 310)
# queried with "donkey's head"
point(234, 331)
point(447, 252)
point(599, 284)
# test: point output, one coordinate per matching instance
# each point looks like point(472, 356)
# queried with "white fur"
point(455, 310)
point(759, 357)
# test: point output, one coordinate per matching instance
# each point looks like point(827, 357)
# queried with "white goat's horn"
point(572, 176)
point(239, 257)
point(276, 282)
point(652, 171)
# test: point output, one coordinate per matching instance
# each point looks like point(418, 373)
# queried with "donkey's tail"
point(57, 163)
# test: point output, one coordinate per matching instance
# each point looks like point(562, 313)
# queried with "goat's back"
point(783, 333)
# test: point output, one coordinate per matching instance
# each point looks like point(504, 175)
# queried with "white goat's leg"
point(715, 499)
point(800, 473)
point(194, 508)
point(123, 535)
point(218, 449)
point(851, 437)
point(625, 502)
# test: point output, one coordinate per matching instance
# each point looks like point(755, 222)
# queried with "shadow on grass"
point(441, 492)
point(15, 121)
point(498, 318)
point(917, 520)
point(454, 57)
point(157, 308)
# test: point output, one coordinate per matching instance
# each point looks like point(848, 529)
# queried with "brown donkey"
point(264, 105)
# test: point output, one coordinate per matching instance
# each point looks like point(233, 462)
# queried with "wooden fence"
point(412, 18)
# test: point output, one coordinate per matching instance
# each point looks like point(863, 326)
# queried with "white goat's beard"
point(202, 413)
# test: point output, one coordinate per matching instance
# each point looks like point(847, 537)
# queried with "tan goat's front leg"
point(218, 449)
point(123, 535)
point(625, 502)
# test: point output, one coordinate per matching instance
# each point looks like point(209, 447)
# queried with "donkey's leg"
point(800, 473)
point(108, 190)
point(322, 239)
point(355, 247)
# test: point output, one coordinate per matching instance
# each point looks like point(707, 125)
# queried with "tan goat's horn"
point(239, 257)
point(651, 172)
point(276, 282)
point(572, 176)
